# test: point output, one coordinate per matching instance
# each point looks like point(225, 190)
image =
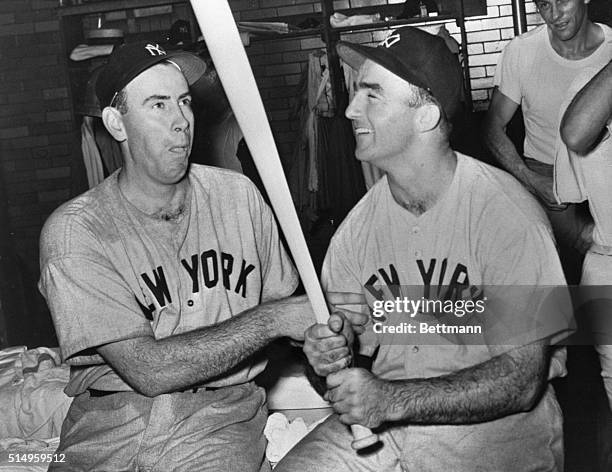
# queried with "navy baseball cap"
point(417, 57)
point(129, 60)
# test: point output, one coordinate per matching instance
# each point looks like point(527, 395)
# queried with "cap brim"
point(351, 54)
point(191, 65)
point(356, 54)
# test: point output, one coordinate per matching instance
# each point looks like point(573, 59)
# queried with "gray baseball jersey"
point(109, 272)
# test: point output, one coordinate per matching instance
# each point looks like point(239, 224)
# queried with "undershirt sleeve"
point(507, 73)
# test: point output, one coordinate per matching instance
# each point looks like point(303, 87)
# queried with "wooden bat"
point(227, 52)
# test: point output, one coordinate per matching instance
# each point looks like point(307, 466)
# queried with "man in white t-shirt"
point(583, 171)
point(534, 72)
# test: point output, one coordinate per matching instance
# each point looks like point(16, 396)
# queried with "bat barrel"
point(223, 41)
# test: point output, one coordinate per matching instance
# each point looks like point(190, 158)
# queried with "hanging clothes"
point(343, 183)
point(325, 178)
point(110, 151)
point(91, 154)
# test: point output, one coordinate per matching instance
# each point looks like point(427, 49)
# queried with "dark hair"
point(120, 101)
point(420, 97)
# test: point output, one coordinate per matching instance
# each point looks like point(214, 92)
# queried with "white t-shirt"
point(588, 177)
point(533, 75)
point(109, 272)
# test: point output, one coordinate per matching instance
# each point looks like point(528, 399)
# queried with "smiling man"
point(534, 72)
point(436, 220)
point(165, 282)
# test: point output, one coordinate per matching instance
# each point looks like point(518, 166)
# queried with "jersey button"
point(417, 253)
point(415, 349)
point(190, 303)
point(416, 230)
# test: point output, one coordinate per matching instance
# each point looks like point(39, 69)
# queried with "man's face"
point(383, 123)
point(563, 17)
point(158, 125)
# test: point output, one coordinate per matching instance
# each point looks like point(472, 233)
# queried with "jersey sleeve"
point(279, 276)
point(90, 303)
point(340, 274)
point(527, 299)
point(507, 73)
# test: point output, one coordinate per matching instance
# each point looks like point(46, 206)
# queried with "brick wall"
point(36, 138)
point(486, 37)
point(278, 63)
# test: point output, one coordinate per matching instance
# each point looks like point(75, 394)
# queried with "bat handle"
point(362, 437)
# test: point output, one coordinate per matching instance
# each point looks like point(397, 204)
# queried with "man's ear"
point(428, 117)
point(113, 121)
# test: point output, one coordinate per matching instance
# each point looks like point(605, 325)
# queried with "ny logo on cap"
point(390, 40)
point(155, 50)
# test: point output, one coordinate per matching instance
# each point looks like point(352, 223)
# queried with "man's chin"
point(179, 174)
point(359, 153)
point(363, 156)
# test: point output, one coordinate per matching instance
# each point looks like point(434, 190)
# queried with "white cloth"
point(579, 178)
point(589, 177)
point(597, 272)
point(27, 448)
point(83, 52)
point(32, 400)
point(533, 75)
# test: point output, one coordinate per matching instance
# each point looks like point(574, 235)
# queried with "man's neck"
point(165, 202)
point(417, 187)
point(582, 45)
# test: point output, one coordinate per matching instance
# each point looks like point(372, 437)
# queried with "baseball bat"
point(227, 52)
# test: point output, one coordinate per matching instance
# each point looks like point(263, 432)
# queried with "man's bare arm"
point(591, 109)
point(153, 367)
point(501, 110)
point(509, 383)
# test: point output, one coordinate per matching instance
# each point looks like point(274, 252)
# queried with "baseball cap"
point(417, 57)
point(129, 60)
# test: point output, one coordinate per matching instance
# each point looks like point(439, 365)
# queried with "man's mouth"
point(360, 131)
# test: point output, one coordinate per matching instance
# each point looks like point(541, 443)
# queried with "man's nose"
point(353, 109)
point(555, 11)
point(181, 123)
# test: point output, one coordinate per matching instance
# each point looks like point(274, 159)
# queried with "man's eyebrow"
point(369, 85)
point(151, 98)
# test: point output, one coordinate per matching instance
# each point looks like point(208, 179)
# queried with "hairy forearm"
point(153, 366)
point(503, 150)
point(589, 112)
point(503, 385)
